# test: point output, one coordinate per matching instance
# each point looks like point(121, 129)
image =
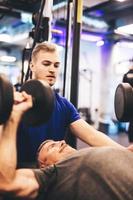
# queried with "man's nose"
point(51, 67)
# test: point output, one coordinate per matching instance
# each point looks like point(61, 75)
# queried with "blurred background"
point(106, 51)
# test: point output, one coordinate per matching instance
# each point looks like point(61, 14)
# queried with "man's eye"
point(46, 63)
point(51, 146)
point(56, 65)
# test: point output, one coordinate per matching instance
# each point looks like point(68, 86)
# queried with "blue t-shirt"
point(29, 138)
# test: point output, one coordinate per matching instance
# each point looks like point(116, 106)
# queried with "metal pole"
point(67, 44)
point(76, 53)
point(75, 60)
point(35, 36)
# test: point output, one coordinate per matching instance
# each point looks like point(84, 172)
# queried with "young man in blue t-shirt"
point(44, 65)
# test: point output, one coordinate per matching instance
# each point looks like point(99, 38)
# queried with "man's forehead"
point(49, 53)
point(47, 146)
point(49, 143)
point(43, 144)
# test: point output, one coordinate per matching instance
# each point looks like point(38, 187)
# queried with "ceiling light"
point(128, 29)
point(100, 24)
point(120, 0)
point(7, 59)
point(26, 17)
point(59, 5)
point(5, 38)
point(57, 31)
point(100, 43)
point(90, 37)
point(12, 39)
point(125, 44)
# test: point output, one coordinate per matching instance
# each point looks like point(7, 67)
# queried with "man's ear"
point(31, 66)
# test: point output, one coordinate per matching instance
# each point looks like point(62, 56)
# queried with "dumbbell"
point(123, 102)
point(42, 96)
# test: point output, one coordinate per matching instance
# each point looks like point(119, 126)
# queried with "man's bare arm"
point(21, 183)
point(8, 136)
point(90, 135)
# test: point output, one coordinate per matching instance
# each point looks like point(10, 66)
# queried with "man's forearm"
point(8, 151)
point(21, 183)
point(22, 102)
point(91, 136)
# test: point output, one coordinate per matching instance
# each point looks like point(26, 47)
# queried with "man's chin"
point(50, 84)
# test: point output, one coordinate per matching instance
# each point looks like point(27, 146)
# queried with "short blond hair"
point(43, 46)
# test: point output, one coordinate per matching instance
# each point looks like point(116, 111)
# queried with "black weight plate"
point(43, 102)
point(6, 99)
point(124, 102)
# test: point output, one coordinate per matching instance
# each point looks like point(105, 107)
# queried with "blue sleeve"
point(72, 112)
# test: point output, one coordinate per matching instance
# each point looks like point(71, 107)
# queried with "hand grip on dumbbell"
point(42, 96)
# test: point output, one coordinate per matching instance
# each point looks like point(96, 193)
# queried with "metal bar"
point(75, 62)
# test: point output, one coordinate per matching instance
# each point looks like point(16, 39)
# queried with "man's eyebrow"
point(51, 61)
point(50, 145)
point(58, 61)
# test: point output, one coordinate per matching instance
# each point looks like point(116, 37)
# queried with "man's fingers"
point(20, 97)
point(130, 147)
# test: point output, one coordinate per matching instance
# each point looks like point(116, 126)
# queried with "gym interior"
point(104, 47)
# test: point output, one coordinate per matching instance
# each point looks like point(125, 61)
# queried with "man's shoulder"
point(101, 154)
point(59, 97)
point(62, 100)
point(45, 176)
